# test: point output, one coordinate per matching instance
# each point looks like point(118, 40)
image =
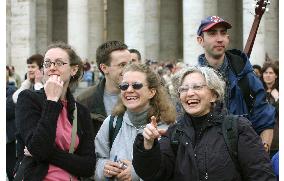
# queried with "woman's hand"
point(53, 88)
point(150, 133)
point(275, 94)
point(26, 152)
point(112, 169)
point(125, 175)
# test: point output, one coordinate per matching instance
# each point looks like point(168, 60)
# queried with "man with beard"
point(235, 68)
point(111, 58)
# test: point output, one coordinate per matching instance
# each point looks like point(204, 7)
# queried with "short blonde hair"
point(213, 79)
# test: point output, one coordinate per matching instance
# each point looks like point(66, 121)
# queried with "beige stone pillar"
point(210, 8)
point(230, 10)
point(8, 32)
point(192, 15)
point(59, 21)
point(43, 25)
point(23, 33)
point(169, 30)
point(134, 25)
point(78, 26)
point(272, 30)
point(152, 29)
point(96, 27)
point(114, 23)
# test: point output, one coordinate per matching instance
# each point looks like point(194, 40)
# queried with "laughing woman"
point(47, 118)
point(194, 148)
point(142, 96)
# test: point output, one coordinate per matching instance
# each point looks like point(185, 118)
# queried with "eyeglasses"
point(57, 63)
point(185, 88)
point(136, 85)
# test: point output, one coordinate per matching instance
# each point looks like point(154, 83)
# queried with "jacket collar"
point(99, 98)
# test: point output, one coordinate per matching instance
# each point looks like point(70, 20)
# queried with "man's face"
point(215, 41)
point(134, 58)
point(113, 72)
point(31, 70)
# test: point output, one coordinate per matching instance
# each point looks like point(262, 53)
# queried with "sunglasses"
point(136, 85)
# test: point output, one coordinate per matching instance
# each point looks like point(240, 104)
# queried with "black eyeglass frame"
point(135, 85)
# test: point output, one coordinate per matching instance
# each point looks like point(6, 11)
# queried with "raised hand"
point(150, 133)
point(53, 88)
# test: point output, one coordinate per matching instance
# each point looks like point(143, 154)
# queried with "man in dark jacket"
point(111, 57)
point(213, 37)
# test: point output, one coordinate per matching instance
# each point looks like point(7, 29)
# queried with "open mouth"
point(131, 98)
point(193, 102)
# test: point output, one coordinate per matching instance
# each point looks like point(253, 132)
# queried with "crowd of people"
point(144, 120)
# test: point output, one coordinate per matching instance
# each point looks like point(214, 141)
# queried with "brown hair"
point(74, 59)
point(36, 58)
point(275, 69)
point(161, 106)
point(103, 52)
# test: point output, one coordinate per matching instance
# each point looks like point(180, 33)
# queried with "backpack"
point(113, 131)
point(237, 65)
point(230, 134)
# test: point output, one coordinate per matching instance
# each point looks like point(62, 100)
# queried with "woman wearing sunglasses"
point(57, 130)
point(195, 148)
point(142, 96)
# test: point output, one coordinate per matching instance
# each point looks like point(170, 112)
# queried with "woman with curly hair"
point(142, 97)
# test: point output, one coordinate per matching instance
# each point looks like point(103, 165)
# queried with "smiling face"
point(197, 99)
point(136, 99)
point(65, 71)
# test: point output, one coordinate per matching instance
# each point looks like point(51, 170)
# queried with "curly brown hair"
point(161, 105)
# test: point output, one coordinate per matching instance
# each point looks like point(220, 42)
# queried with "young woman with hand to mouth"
point(45, 120)
point(142, 97)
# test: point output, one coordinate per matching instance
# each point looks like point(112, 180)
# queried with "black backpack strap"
point(237, 65)
point(113, 131)
point(230, 134)
point(175, 138)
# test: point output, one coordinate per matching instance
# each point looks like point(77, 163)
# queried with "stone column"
point(230, 11)
point(152, 29)
point(23, 33)
point(210, 8)
point(78, 26)
point(271, 30)
point(8, 32)
point(43, 25)
point(192, 15)
point(114, 22)
point(134, 25)
point(169, 30)
point(258, 52)
point(59, 21)
point(96, 27)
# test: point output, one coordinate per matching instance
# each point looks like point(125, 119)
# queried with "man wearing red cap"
point(244, 94)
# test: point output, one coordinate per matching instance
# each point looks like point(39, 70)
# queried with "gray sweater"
point(122, 146)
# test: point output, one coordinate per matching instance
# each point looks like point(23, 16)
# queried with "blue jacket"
point(263, 114)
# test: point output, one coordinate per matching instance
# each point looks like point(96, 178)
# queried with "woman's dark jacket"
point(36, 119)
point(205, 158)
